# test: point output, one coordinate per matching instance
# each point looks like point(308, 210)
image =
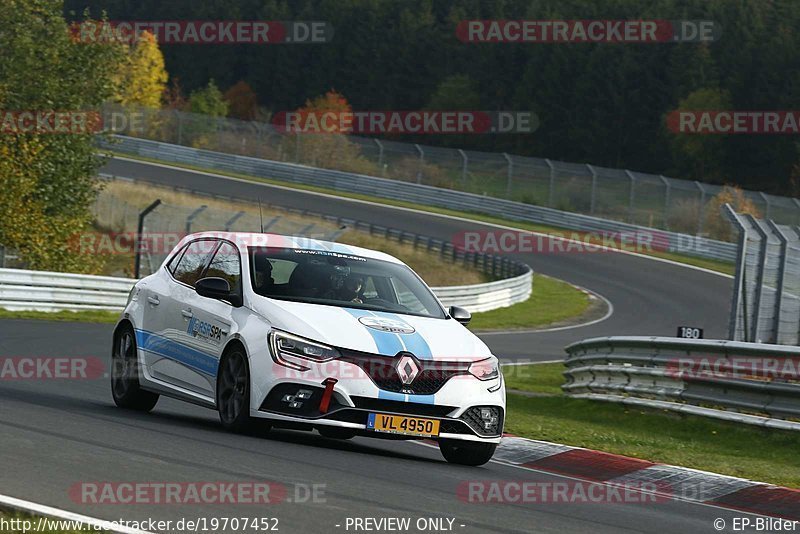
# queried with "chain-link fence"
point(766, 303)
point(633, 197)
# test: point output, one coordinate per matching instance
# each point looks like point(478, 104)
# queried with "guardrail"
point(417, 193)
point(749, 383)
point(49, 291)
point(22, 290)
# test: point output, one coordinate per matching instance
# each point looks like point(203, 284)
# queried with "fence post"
point(594, 189)
point(701, 208)
point(759, 281)
point(781, 277)
point(767, 204)
point(464, 165)
point(509, 174)
point(738, 280)
point(421, 161)
point(137, 262)
point(192, 216)
point(179, 116)
point(667, 191)
point(551, 191)
point(233, 220)
point(380, 157)
point(632, 195)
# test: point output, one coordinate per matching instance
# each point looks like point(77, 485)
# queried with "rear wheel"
point(233, 391)
point(334, 432)
point(466, 452)
point(125, 387)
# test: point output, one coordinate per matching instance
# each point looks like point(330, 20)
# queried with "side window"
point(226, 265)
point(173, 263)
point(190, 266)
point(370, 291)
point(406, 297)
point(282, 270)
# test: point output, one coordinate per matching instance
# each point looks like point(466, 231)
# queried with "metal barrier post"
point(509, 174)
point(762, 264)
point(701, 208)
point(137, 262)
point(551, 191)
point(594, 189)
point(667, 191)
point(380, 157)
point(632, 195)
point(738, 280)
point(781, 277)
point(464, 165)
point(421, 161)
point(190, 219)
point(233, 220)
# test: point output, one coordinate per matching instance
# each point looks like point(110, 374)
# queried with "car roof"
point(257, 239)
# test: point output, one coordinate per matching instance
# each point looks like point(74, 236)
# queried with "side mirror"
point(460, 314)
point(217, 288)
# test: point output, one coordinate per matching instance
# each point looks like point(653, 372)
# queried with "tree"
point(208, 101)
point(49, 181)
point(142, 76)
point(242, 101)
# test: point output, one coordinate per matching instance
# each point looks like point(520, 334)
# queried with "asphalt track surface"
point(59, 433)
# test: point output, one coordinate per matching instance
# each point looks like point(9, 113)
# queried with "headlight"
point(487, 369)
point(286, 349)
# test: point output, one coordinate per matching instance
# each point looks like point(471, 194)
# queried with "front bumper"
point(457, 404)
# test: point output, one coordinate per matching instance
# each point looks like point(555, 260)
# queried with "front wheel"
point(233, 392)
point(125, 387)
point(466, 452)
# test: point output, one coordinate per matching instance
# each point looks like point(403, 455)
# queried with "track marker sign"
point(690, 332)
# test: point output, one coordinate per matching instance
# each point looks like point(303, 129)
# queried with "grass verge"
point(552, 301)
point(723, 447)
point(714, 265)
point(79, 316)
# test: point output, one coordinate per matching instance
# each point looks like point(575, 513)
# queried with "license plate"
point(400, 424)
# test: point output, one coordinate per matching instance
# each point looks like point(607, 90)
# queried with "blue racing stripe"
point(193, 358)
point(388, 344)
point(415, 343)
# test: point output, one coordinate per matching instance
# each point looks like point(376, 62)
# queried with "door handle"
point(187, 313)
point(153, 300)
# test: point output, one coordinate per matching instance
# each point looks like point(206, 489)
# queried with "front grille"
point(381, 369)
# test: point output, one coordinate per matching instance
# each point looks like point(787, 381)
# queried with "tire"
point(233, 392)
point(125, 386)
point(333, 432)
point(466, 452)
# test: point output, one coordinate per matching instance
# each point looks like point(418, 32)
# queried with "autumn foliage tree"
point(242, 101)
point(49, 181)
point(326, 143)
point(142, 78)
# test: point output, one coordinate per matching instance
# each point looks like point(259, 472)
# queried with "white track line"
point(19, 505)
point(255, 180)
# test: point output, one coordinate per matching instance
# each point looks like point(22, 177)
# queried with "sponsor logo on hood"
point(385, 324)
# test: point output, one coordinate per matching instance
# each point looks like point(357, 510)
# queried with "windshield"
point(335, 279)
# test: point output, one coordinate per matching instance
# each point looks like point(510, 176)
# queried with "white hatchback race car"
point(308, 334)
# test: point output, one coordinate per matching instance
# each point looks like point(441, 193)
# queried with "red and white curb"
point(682, 483)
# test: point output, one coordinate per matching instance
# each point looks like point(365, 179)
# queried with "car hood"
point(374, 332)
